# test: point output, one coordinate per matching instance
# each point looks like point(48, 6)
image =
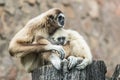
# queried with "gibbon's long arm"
point(22, 47)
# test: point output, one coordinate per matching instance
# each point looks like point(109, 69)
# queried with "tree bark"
point(94, 71)
point(116, 74)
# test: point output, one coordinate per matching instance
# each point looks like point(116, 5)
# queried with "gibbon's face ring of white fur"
point(61, 20)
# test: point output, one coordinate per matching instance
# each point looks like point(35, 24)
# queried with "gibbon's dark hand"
point(59, 49)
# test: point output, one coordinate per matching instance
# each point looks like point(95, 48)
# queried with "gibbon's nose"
point(62, 43)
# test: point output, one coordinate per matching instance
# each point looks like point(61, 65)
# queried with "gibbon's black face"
point(60, 41)
point(61, 19)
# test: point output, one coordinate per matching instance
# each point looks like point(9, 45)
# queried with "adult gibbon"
point(75, 46)
point(23, 44)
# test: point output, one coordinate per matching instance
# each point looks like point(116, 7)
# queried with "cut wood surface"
point(116, 74)
point(95, 71)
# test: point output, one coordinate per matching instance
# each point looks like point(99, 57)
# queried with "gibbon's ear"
point(51, 17)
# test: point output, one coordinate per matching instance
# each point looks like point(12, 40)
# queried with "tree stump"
point(94, 71)
point(116, 74)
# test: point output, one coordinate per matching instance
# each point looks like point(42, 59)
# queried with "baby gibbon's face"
point(60, 37)
point(61, 40)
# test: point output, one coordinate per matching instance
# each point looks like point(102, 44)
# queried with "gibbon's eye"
point(63, 38)
point(61, 19)
point(59, 39)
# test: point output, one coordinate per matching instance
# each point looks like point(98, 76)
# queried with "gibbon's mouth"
point(61, 19)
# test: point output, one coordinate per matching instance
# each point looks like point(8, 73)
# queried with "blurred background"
point(97, 20)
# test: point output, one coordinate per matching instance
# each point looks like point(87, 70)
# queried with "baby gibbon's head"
point(60, 37)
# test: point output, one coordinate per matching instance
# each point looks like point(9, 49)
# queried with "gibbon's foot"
point(80, 66)
point(56, 61)
point(83, 64)
point(72, 61)
point(59, 49)
point(64, 65)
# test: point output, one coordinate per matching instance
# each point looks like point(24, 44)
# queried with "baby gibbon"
point(75, 46)
point(23, 43)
